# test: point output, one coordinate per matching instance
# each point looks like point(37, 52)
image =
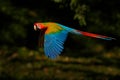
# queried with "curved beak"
point(35, 28)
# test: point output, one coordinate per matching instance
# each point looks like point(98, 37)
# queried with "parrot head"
point(38, 26)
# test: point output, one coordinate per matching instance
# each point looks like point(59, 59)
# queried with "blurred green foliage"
point(88, 59)
point(25, 64)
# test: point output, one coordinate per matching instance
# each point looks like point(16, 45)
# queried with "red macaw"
point(56, 34)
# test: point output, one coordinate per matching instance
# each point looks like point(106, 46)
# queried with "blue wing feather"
point(53, 44)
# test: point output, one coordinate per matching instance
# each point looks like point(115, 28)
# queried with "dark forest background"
point(83, 58)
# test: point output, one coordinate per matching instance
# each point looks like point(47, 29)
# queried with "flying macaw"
point(55, 35)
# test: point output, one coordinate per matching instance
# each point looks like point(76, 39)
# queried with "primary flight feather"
point(55, 35)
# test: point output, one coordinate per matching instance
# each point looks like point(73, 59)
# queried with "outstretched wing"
point(53, 43)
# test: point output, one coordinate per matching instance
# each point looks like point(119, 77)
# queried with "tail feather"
point(94, 35)
point(74, 31)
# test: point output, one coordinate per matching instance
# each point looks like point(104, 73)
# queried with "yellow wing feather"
point(52, 28)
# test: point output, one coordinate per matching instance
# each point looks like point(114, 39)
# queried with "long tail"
point(94, 35)
point(74, 31)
